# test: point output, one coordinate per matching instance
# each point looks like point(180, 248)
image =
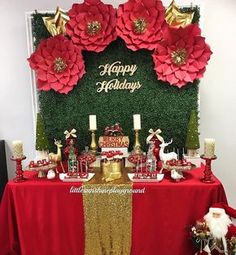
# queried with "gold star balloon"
point(56, 24)
point(175, 18)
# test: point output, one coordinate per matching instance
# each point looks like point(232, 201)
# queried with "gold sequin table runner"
point(108, 216)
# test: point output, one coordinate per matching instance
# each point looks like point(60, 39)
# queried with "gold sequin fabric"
point(108, 217)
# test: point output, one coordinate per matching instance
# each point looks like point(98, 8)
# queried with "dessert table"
point(43, 217)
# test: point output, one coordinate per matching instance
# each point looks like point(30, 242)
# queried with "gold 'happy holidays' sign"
point(117, 69)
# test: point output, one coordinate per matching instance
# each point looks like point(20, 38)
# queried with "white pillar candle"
point(209, 148)
point(17, 147)
point(92, 122)
point(137, 121)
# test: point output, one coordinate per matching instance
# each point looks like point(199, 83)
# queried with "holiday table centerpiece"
point(113, 139)
point(111, 165)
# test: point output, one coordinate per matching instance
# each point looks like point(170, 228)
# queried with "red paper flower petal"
point(58, 64)
point(92, 25)
point(66, 89)
point(181, 56)
point(140, 23)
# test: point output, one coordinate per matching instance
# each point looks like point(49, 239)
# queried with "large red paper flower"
point(92, 25)
point(181, 56)
point(58, 64)
point(140, 23)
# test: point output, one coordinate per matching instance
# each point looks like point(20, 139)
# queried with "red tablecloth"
point(44, 218)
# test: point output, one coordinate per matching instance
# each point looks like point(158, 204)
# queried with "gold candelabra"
point(93, 145)
point(137, 145)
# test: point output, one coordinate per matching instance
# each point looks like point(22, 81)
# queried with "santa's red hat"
point(223, 208)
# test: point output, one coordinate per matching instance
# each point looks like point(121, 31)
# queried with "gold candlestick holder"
point(93, 145)
point(137, 145)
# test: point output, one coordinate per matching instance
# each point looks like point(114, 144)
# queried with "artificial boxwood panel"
point(160, 105)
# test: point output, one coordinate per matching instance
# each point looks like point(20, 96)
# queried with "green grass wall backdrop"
point(160, 105)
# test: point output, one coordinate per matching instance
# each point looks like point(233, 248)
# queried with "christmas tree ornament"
point(176, 18)
point(192, 141)
point(56, 24)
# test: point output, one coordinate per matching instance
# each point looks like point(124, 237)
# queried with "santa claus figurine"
point(216, 233)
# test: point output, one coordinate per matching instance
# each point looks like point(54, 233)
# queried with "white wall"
point(218, 90)
point(218, 87)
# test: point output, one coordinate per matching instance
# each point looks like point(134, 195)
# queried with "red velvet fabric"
point(163, 214)
point(44, 218)
point(41, 218)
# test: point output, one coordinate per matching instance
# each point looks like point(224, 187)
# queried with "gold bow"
point(154, 133)
point(71, 133)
